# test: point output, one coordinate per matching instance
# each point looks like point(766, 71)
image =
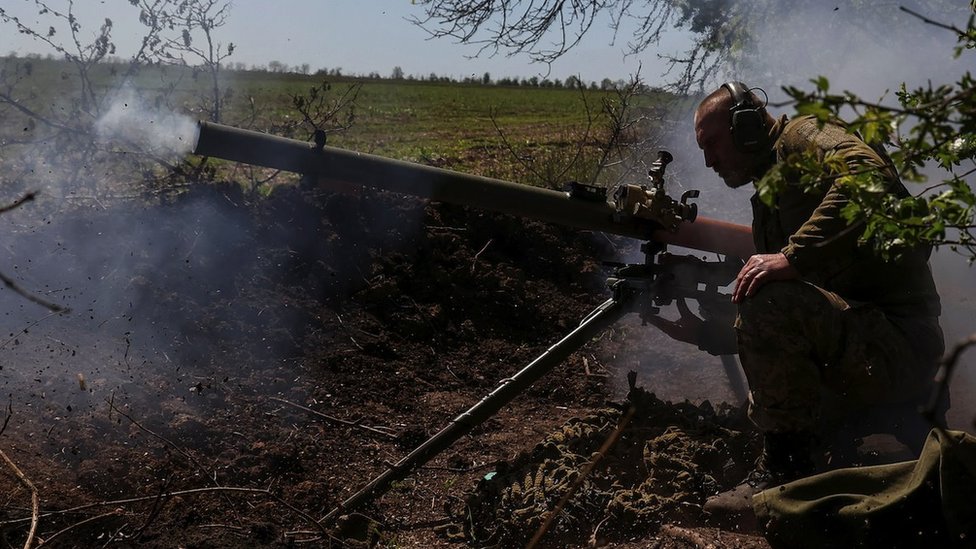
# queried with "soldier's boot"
point(786, 457)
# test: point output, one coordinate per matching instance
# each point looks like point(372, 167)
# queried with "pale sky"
point(360, 36)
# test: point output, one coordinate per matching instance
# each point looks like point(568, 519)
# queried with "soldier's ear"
point(748, 119)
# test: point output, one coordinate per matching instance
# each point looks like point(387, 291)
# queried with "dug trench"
point(233, 367)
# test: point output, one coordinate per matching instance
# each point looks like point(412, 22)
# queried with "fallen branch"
point(459, 469)
point(377, 430)
point(140, 499)
point(35, 499)
point(88, 520)
point(236, 529)
point(193, 491)
point(157, 436)
point(157, 507)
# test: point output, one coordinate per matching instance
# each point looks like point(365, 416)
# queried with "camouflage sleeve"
point(826, 241)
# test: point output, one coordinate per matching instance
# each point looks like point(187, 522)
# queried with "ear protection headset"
point(748, 119)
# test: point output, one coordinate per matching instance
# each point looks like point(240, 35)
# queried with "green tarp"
point(929, 502)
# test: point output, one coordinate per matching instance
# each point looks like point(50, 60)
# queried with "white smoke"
point(131, 123)
point(869, 51)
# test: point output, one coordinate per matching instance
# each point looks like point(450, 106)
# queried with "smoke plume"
point(131, 122)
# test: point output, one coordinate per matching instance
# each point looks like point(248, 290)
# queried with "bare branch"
point(53, 307)
point(35, 499)
point(944, 375)
point(959, 32)
point(356, 424)
point(585, 472)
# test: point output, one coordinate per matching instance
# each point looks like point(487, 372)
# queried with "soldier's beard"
point(746, 172)
point(736, 180)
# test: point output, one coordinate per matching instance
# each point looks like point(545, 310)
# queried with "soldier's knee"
point(774, 303)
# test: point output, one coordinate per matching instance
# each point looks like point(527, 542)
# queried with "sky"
point(358, 36)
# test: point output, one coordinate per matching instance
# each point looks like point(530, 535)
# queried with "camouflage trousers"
point(800, 344)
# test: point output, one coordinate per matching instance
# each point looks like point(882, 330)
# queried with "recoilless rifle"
point(644, 212)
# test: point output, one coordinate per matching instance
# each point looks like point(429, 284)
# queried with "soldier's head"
point(731, 127)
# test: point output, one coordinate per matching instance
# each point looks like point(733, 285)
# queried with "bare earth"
point(232, 369)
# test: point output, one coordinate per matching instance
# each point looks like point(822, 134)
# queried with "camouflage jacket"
point(809, 229)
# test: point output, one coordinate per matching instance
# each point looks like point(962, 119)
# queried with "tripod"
point(640, 288)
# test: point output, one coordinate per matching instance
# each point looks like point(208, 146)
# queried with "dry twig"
point(35, 499)
point(27, 328)
point(9, 282)
point(47, 540)
point(377, 430)
point(193, 491)
point(474, 261)
point(157, 436)
point(611, 440)
point(10, 414)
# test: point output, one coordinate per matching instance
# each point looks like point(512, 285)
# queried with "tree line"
point(305, 69)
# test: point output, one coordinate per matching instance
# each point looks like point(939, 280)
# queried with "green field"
point(466, 127)
point(534, 135)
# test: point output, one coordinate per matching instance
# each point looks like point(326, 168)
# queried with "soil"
point(233, 368)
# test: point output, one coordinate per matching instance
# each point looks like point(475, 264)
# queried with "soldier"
point(825, 326)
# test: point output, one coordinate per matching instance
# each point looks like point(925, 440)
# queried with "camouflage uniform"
point(855, 326)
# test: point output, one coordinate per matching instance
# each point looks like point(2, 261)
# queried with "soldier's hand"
point(760, 269)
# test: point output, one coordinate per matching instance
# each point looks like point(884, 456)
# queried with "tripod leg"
point(736, 378)
point(594, 323)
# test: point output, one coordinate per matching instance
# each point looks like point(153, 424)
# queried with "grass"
point(468, 128)
point(515, 133)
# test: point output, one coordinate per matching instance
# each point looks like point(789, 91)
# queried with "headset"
point(748, 127)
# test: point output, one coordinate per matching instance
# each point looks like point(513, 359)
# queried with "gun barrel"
point(711, 235)
point(271, 151)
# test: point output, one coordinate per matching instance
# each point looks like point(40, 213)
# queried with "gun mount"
point(638, 211)
point(654, 203)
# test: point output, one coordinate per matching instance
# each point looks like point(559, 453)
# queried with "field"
point(243, 353)
point(554, 133)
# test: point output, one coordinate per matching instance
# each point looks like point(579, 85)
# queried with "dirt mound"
point(235, 366)
point(616, 475)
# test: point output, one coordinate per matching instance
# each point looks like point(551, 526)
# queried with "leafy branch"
point(932, 129)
